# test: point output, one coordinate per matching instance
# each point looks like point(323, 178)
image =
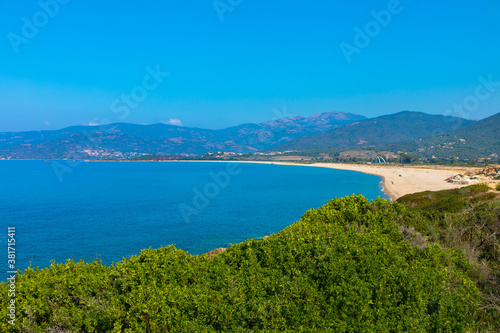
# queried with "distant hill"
point(400, 127)
point(123, 140)
point(480, 139)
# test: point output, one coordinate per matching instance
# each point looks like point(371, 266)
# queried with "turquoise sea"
point(113, 210)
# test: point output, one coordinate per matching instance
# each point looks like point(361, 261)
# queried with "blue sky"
point(262, 60)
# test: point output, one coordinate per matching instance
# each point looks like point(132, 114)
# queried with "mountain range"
point(415, 132)
point(394, 128)
point(479, 139)
point(121, 140)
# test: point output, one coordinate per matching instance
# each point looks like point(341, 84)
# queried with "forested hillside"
point(388, 129)
point(478, 140)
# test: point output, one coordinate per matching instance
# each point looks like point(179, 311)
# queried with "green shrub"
point(344, 267)
point(473, 230)
point(478, 188)
point(498, 187)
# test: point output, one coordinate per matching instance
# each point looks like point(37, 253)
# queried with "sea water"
point(112, 210)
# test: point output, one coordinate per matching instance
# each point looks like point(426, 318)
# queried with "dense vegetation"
point(366, 154)
point(467, 220)
point(422, 265)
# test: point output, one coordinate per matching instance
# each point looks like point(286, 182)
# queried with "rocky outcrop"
point(461, 179)
point(215, 252)
point(485, 175)
point(490, 171)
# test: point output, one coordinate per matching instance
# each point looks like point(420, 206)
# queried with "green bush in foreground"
point(344, 267)
point(498, 187)
point(473, 230)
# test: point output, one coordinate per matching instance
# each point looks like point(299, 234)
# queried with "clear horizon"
point(217, 64)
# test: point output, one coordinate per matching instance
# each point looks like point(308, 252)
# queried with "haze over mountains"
point(129, 140)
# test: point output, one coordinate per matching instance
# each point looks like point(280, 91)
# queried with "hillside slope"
point(394, 128)
point(480, 139)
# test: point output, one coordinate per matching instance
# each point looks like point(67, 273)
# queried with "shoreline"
point(396, 180)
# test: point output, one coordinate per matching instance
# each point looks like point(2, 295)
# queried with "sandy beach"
point(399, 181)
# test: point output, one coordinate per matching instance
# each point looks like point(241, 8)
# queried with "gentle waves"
point(113, 210)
